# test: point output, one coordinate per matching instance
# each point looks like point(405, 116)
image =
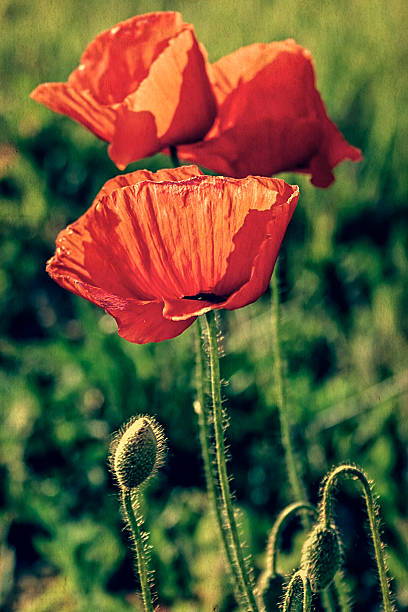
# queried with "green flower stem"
point(340, 593)
point(282, 520)
point(205, 441)
point(291, 602)
point(228, 511)
point(135, 523)
point(292, 468)
point(332, 599)
point(354, 472)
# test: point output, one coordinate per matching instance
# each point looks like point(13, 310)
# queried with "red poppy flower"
point(142, 86)
point(271, 117)
point(155, 250)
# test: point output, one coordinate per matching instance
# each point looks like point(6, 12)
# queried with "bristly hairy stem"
point(283, 518)
point(299, 583)
point(174, 157)
point(205, 441)
point(135, 523)
point(332, 597)
point(298, 490)
point(228, 511)
point(329, 485)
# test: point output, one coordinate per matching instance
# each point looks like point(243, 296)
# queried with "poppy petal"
point(157, 249)
point(122, 267)
point(189, 230)
point(138, 321)
point(271, 118)
point(174, 104)
point(170, 240)
point(79, 105)
point(143, 323)
point(182, 310)
point(250, 263)
point(142, 85)
point(117, 60)
point(131, 178)
point(82, 264)
point(264, 262)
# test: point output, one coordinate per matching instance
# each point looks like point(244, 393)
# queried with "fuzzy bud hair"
point(321, 556)
point(137, 450)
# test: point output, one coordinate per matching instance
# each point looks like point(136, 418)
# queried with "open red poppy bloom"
point(142, 86)
point(271, 117)
point(155, 250)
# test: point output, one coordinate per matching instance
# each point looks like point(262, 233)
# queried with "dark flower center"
point(207, 297)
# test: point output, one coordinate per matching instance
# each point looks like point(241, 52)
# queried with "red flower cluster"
point(155, 250)
point(143, 85)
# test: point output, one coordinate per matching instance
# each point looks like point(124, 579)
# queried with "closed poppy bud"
point(156, 250)
point(298, 594)
point(271, 118)
point(321, 556)
point(142, 85)
point(136, 451)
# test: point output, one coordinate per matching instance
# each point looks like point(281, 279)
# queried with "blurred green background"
point(68, 381)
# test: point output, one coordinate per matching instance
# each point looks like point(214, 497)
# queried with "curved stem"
point(205, 441)
point(351, 470)
point(229, 516)
point(292, 468)
point(299, 578)
point(174, 157)
point(135, 523)
point(282, 520)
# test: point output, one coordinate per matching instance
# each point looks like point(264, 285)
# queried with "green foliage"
point(85, 552)
point(67, 380)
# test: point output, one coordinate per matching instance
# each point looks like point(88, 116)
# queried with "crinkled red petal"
point(251, 262)
point(138, 321)
point(79, 105)
point(271, 117)
point(145, 323)
point(117, 60)
point(174, 104)
point(174, 245)
point(141, 85)
point(182, 173)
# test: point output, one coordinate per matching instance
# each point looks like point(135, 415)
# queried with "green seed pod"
point(137, 451)
point(321, 556)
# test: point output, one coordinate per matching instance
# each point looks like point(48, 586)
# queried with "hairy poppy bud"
point(298, 595)
point(296, 602)
point(137, 451)
point(321, 556)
